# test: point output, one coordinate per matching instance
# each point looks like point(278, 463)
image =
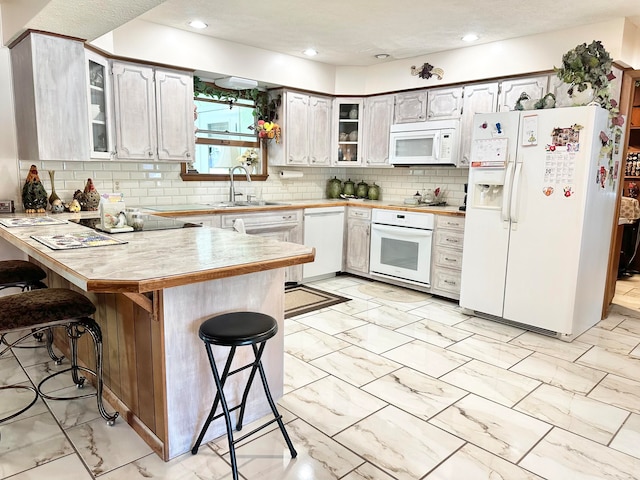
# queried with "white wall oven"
point(401, 245)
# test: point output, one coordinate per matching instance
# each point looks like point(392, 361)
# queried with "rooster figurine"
point(34, 196)
point(90, 198)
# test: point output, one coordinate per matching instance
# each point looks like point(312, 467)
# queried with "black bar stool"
point(235, 330)
point(21, 274)
point(39, 310)
point(26, 276)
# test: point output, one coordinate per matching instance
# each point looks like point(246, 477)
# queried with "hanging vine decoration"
point(427, 71)
point(266, 106)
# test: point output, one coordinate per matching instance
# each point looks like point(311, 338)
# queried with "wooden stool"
point(235, 330)
point(41, 309)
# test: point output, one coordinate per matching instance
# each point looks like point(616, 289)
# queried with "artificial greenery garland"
point(266, 106)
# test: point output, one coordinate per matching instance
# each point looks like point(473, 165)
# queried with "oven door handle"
point(404, 231)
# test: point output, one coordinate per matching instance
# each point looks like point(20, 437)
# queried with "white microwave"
point(426, 143)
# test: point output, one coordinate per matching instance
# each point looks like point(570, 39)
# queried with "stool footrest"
point(257, 429)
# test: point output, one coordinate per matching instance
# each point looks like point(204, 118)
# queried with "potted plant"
point(587, 67)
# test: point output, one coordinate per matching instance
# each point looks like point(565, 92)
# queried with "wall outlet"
point(116, 186)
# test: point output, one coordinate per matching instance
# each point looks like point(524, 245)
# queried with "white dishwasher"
point(324, 231)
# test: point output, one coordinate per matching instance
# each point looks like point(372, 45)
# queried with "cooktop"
point(151, 222)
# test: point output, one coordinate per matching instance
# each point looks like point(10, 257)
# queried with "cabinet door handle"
point(451, 240)
point(450, 282)
point(455, 260)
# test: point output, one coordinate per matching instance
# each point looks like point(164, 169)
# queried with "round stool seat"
point(41, 307)
point(238, 328)
point(20, 271)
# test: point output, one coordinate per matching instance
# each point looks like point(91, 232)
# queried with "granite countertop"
point(191, 209)
point(156, 259)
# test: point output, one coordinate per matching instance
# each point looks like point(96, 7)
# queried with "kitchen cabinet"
point(510, 90)
point(306, 122)
point(348, 113)
point(50, 97)
point(444, 103)
point(204, 220)
point(378, 118)
point(285, 226)
point(478, 98)
point(410, 107)
point(153, 113)
point(358, 241)
point(100, 101)
point(446, 256)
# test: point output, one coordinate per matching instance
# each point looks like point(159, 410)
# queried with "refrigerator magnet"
point(547, 191)
point(568, 192)
point(529, 130)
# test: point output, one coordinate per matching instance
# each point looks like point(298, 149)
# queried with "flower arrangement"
point(248, 158)
point(268, 130)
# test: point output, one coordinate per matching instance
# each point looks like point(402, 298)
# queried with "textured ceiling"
point(344, 32)
point(352, 32)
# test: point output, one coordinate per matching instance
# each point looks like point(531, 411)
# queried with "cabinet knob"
point(151, 154)
point(188, 155)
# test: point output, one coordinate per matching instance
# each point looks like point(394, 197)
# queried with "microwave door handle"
point(436, 147)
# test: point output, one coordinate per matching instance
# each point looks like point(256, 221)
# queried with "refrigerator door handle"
point(506, 193)
point(515, 195)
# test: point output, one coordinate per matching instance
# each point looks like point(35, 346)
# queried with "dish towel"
point(238, 225)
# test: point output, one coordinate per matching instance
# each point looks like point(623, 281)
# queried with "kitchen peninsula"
point(151, 294)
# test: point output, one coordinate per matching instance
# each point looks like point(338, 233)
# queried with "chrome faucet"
point(232, 187)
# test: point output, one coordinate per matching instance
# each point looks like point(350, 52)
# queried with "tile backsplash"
point(147, 184)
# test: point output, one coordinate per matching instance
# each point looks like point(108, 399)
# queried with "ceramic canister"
point(362, 189)
point(373, 192)
point(349, 188)
point(334, 188)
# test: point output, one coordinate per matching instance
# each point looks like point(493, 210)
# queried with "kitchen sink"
point(244, 204)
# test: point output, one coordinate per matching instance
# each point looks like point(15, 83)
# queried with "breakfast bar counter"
point(152, 293)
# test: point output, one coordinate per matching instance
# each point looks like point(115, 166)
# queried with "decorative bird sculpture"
point(89, 199)
point(34, 196)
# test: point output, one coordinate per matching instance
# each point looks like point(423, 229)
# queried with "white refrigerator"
point(540, 209)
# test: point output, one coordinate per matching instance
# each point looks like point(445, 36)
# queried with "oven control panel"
point(424, 221)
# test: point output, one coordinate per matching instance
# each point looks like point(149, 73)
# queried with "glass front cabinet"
point(99, 96)
point(348, 131)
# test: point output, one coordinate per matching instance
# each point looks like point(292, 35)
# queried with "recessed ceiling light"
point(198, 24)
point(380, 56)
point(310, 52)
point(470, 37)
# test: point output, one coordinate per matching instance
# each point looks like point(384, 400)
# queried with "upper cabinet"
point(378, 118)
point(50, 98)
point(444, 103)
point(348, 131)
point(410, 107)
point(306, 122)
point(479, 98)
point(510, 90)
point(153, 113)
point(100, 111)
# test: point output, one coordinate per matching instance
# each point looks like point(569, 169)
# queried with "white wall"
point(9, 186)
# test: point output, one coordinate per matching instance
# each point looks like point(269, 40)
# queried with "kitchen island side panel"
point(190, 389)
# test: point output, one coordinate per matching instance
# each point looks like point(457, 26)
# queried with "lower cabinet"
point(358, 241)
point(283, 225)
point(446, 256)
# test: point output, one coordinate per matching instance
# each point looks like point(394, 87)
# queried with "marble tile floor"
point(393, 384)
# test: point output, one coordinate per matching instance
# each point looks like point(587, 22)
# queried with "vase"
point(582, 98)
point(54, 196)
